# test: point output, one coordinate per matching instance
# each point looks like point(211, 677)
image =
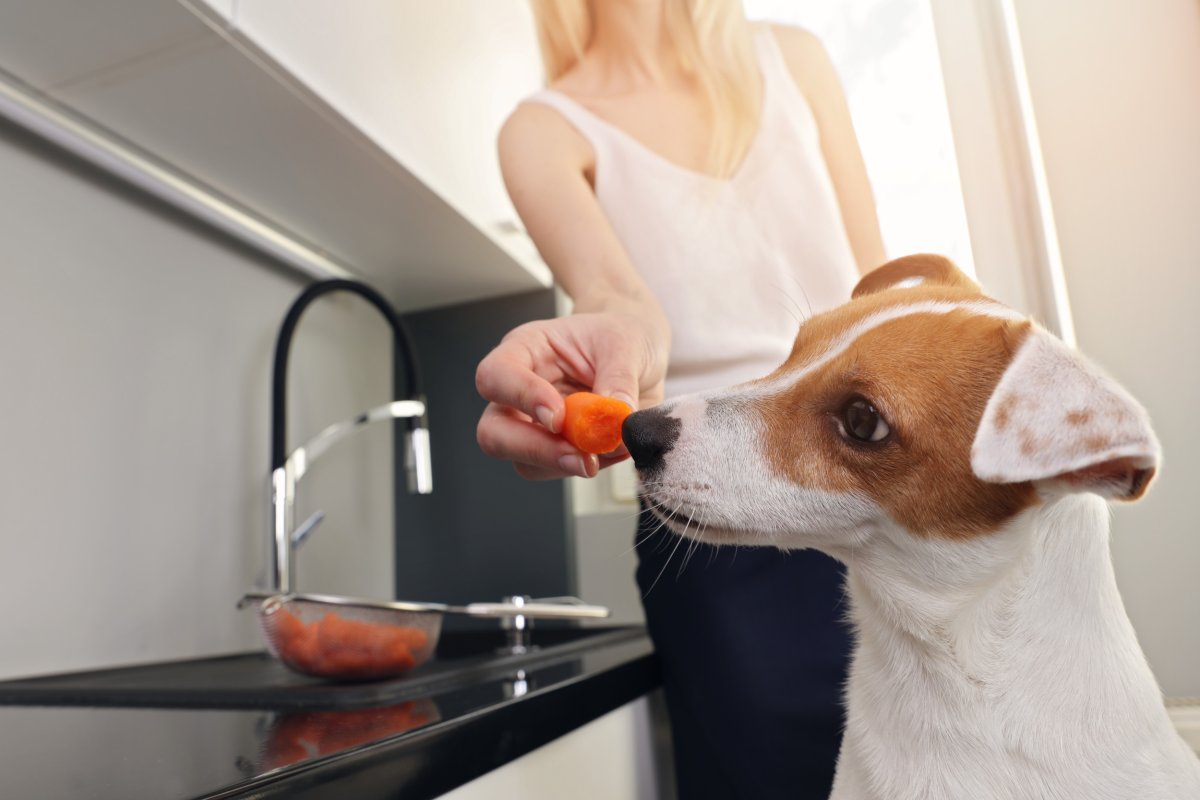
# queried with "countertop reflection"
point(423, 746)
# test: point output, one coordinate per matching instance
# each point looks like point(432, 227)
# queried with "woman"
point(688, 179)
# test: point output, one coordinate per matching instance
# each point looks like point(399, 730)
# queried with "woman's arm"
point(617, 340)
point(546, 165)
point(814, 73)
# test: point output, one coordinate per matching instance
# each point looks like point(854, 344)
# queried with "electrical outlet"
point(622, 482)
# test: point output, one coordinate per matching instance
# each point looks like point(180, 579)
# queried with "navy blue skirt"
point(754, 649)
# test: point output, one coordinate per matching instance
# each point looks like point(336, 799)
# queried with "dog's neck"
point(980, 657)
point(954, 597)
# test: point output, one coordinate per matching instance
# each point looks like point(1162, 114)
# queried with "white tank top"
point(734, 263)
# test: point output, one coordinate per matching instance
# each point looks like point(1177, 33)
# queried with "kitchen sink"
point(257, 681)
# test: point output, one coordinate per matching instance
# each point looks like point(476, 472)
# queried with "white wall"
point(1116, 94)
point(135, 357)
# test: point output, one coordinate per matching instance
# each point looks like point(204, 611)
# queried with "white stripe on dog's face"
point(770, 462)
point(789, 375)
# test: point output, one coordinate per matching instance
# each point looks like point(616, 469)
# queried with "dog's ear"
point(1056, 418)
point(922, 269)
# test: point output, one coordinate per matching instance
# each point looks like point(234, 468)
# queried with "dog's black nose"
point(648, 435)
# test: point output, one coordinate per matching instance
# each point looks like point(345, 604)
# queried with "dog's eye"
point(861, 421)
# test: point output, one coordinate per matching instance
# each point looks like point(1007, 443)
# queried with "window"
point(887, 56)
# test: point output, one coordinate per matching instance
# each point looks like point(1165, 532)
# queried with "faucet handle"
point(418, 463)
point(302, 532)
point(516, 627)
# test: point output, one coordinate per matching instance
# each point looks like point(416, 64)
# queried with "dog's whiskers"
point(651, 503)
point(669, 557)
point(693, 543)
point(662, 523)
point(715, 547)
point(804, 292)
point(795, 310)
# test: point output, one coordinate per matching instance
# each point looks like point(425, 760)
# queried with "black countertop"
point(424, 741)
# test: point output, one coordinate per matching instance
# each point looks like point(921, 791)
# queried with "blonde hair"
point(712, 41)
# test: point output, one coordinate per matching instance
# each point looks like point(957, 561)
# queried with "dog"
point(957, 458)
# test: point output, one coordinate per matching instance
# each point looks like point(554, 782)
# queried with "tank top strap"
point(779, 87)
point(595, 130)
point(770, 57)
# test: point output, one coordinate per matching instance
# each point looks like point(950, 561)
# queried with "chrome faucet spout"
point(299, 460)
point(288, 468)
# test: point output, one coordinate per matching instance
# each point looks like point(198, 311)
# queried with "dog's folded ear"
point(922, 269)
point(1056, 418)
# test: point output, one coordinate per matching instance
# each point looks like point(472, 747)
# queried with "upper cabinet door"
point(223, 8)
point(50, 44)
point(431, 83)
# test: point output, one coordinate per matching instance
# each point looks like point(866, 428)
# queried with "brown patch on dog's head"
point(929, 375)
point(1005, 409)
point(1078, 417)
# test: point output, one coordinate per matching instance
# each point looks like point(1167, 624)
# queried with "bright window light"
point(886, 54)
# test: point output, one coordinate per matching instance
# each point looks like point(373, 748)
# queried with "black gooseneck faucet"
point(288, 468)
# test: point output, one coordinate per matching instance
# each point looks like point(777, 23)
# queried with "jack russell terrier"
point(957, 458)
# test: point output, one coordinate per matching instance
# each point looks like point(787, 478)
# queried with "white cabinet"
point(611, 757)
point(429, 82)
point(223, 8)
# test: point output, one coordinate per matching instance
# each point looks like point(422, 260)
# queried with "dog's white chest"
point(1032, 687)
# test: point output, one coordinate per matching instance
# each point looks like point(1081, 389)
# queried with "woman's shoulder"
point(529, 124)
point(806, 59)
point(795, 42)
point(801, 48)
point(536, 132)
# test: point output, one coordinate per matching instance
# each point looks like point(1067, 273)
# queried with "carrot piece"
point(336, 634)
point(295, 641)
point(415, 638)
point(287, 625)
point(397, 657)
point(348, 664)
point(593, 422)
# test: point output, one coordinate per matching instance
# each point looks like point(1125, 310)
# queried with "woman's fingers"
point(615, 457)
point(505, 377)
point(507, 435)
point(616, 376)
point(534, 473)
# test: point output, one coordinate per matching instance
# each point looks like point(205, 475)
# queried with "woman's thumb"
point(617, 379)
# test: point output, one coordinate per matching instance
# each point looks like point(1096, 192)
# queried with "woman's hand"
point(619, 353)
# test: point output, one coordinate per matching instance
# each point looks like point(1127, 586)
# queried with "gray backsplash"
point(485, 532)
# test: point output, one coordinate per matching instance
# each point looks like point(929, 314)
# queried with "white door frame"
point(1005, 193)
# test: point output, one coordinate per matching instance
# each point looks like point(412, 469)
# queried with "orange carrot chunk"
point(593, 423)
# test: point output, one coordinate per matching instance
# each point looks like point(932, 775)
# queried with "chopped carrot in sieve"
point(334, 647)
point(593, 422)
